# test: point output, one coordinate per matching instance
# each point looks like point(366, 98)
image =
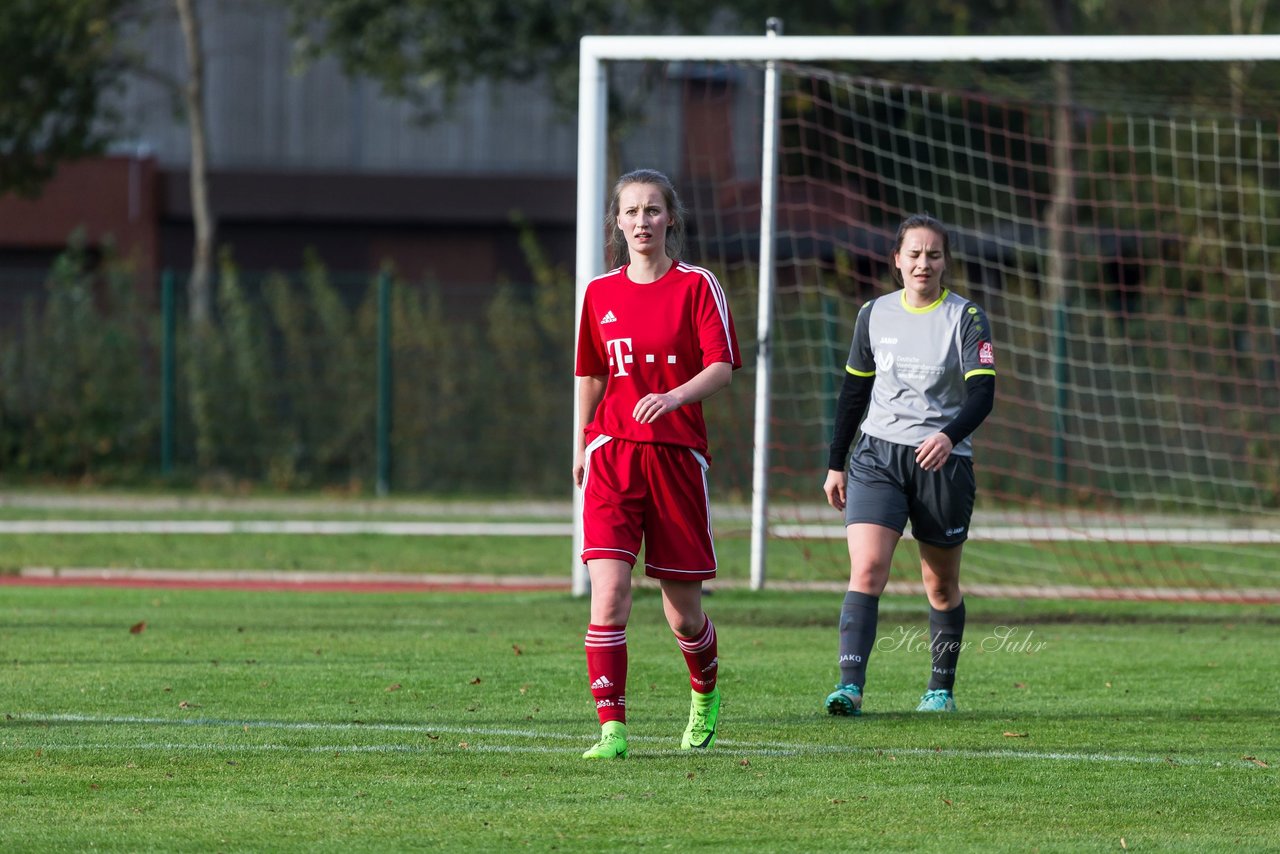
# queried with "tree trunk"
point(1238, 72)
point(198, 286)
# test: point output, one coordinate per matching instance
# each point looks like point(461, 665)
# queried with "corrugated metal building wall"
point(265, 111)
point(301, 158)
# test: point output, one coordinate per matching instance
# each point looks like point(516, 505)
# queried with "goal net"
point(1118, 220)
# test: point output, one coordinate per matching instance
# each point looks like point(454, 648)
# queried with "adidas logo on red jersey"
point(608, 317)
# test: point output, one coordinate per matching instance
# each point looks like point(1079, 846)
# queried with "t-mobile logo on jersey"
point(619, 355)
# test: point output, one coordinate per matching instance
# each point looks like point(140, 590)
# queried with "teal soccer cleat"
point(937, 700)
point(845, 700)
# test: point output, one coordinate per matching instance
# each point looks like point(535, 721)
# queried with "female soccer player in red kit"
point(655, 338)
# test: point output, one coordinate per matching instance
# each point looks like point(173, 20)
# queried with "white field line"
point(562, 511)
point(311, 528)
point(92, 574)
point(736, 748)
point(576, 739)
point(371, 507)
point(301, 578)
point(1010, 533)
point(1064, 534)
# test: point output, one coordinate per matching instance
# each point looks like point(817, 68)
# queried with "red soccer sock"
point(607, 669)
point(700, 654)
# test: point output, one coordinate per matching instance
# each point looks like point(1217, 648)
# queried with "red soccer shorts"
point(637, 491)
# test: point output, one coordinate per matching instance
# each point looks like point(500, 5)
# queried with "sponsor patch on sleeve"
point(986, 353)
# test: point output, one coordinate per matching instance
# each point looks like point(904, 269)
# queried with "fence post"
point(167, 371)
point(384, 383)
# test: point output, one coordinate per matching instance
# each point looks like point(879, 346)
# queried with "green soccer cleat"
point(845, 700)
point(704, 713)
point(937, 700)
point(612, 743)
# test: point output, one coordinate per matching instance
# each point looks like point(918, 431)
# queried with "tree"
point(199, 289)
point(61, 58)
point(416, 47)
point(412, 46)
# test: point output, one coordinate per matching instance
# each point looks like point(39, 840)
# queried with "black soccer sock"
point(946, 636)
point(858, 619)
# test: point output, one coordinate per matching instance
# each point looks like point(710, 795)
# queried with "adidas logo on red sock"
point(601, 682)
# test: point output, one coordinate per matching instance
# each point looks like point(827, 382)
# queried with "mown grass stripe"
point(736, 747)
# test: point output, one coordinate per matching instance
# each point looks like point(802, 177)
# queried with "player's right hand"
point(835, 488)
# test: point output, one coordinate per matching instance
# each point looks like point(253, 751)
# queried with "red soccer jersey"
point(652, 338)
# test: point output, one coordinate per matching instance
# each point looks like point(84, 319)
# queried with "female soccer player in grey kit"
point(922, 370)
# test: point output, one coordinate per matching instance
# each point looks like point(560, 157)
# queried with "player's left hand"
point(651, 407)
point(934, 452)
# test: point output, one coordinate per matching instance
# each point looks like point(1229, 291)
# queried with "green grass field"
point(185, 719)
point(1097, 565)
point(236, 721)
point(1082, 563)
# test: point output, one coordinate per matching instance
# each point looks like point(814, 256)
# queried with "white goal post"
point(593, 182)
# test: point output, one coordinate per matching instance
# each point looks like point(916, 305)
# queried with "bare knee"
point(610, 596)
point(943, 597)
point(940, 572)
point(610, 611)
point(688, 627)
point(682, 606)
point(871, 550)
point(869, 578)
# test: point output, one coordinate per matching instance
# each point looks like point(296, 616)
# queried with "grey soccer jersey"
point(920, 358)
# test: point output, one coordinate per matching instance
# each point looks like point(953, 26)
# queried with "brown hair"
point(618, 253)
point(920, 220)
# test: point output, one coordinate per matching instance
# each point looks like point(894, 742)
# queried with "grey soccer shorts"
point(887, 487)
